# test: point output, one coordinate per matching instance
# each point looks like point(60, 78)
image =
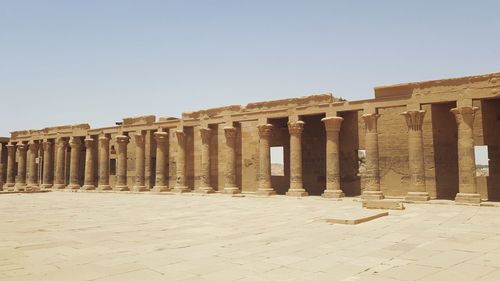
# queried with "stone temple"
point(417, 140)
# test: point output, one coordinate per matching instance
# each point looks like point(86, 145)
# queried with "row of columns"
point(27, 168)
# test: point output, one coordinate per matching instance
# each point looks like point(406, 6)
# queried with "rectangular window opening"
point(277, 161)
point(482, 160)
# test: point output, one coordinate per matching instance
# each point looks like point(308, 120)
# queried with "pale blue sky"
point(98, 61)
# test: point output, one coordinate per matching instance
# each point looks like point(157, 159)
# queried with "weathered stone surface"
point(342, 148)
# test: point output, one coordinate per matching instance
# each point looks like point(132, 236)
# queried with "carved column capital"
point(75, 142)
point(230, 132)
point(464, 114)
point(206, 134)
point(122, 139)
point(11, 147)
point(62, 143)
point(296, 128)
point(33, 146)
point(139, 138)
point(104, 140)
point(160, 137)
point(371, 121)
point(332, 123)
point(21, 147)
point(414, 119)
point(181, 136)
point(47, 144)
point(89, 142)
point(265, 130)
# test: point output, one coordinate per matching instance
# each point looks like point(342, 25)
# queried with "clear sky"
point(64, 62)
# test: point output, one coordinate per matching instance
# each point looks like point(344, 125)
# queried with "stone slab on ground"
point(387, 204)
point(356, 216)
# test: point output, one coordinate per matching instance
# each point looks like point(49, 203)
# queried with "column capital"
point(46, 144)
point(414, 119)
point(206, 134)
point(75, 142)
point(139, 138)
point(104, 139)
point(21, 146)
point(122, 139)
point(89, 142)
point(33, 146)
point(11, 147)
point(181, 136)
point(464, 114)
point(230, 132)
point(160, 136)
point(332, 123)
point(62, 142)
point(265, 130)
point(371, 121)
point(296, 128)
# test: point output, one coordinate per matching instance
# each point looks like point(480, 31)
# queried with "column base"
point(333, 194)
point(20, 187)
point(265, 192)
point(103, 187)
point(372, 195)
point(139, 188)
point(181, 189)
point(46, 186)
point(121, 188)
point(88, 187)
point(160, 188)
point(8, 186)
point(417, 196)
point(73, 186)
point(59, 186)
point(231, 190)
point(32, 187)
point(468, 198)
point(298, 192)
point(205, 190)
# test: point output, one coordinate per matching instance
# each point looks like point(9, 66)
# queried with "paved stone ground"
point(98, 236)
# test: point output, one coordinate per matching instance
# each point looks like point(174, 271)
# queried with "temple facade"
point(413, 140)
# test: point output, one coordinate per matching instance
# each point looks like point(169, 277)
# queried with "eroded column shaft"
point(89, 183)
point(140, 162)
point(48, 164)
point(265, 185)
point(295, 130)
point(332, 127)
point(74, 163)
point(121, 169)
point(104, 163)
point(371, 176)
point(161, 139)
point(59, 178)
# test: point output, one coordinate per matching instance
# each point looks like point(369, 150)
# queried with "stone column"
point(103, 163)
point(371, 177)
point(32, 167)
point(88, 183)
point(59, 178)
point(48, 164)
point(180, 166)
point(161, 184)
point(417, 190)
point(21, 167)
point(264, 175)
point(3, 164)
point(11, 162)
point(230, 186)
point(121, 165)
point(205, 186)
point(332, 127)
point(74, 163)
point(140, 165)
point(295, 130)
point(466, 156)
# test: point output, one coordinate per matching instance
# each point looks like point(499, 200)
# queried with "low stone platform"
point(356, 217)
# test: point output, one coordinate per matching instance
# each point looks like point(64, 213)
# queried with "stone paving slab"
point(106, 236)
